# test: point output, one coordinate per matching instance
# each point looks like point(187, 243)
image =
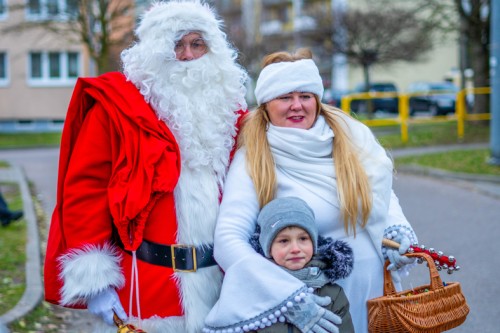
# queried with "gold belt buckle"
point(193, 254)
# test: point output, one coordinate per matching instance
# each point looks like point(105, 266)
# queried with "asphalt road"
point(449, 215)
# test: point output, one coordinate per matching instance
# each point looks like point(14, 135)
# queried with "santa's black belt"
point(182, 258)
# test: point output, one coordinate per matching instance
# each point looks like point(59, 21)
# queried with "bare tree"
point(380, 37)
point(475, 18)
point(104, 26)
point(471, 19)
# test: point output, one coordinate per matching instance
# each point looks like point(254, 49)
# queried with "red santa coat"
point(119, 165)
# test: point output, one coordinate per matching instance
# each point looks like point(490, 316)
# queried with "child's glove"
point(309, 316)
point(105, 304)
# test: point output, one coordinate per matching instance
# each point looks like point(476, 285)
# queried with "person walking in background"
point(292, 145)
point(7, 216)
point(143, 160)
point(287, 235)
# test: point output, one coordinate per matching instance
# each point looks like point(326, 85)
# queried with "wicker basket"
point(427, 309)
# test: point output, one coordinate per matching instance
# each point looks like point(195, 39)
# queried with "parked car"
point(333, 97)
point(389, 104)
point(437, 98)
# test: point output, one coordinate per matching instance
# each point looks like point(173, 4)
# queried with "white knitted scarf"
point(305, 157)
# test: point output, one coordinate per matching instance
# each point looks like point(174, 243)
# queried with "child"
point(289, 237)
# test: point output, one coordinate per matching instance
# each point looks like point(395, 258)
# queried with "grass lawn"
point(45, 317)
point(12, 252)
point(460, 161)
point(21, 140)
point(442, 133)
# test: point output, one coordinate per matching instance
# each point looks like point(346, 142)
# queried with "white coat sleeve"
point(386, 212)
point(255, 290)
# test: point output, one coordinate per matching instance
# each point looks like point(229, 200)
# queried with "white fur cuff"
point(87, 271)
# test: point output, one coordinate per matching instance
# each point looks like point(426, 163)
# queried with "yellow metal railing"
point(404, 120)
point(461, 109)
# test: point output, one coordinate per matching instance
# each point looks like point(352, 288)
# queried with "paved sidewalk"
point(33, 293)
point(32, 296)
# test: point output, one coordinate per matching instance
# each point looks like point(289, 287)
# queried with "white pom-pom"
point(310, 290)
point(257, 323)
point(251, 326)
point(272, 316)
point(288, 304)
point(237, 329)
point(274, 320)
point(297, 298)
point(245, 328)
point(282, 319)
point(265, 320)
point(284, 309)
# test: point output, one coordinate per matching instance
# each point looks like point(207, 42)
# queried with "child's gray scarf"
point(312, 275)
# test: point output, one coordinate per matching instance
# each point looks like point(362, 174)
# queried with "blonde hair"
point(354, 192)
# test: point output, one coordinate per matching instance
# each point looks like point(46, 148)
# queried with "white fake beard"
point(197, 100)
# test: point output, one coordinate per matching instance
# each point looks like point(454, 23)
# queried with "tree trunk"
point(368, 103)
point(480, 64)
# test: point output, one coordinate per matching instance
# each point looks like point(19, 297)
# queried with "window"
point(34, 7)
point(3, 9)
point(51, 9)
point(4, 77)
point(53, 68)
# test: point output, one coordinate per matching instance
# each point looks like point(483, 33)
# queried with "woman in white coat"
point(292, 145)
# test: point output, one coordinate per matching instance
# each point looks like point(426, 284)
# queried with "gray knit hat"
point(285, 212)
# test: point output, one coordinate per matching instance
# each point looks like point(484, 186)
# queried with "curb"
point(34, 289)
point(439, 173)
point(485, 184)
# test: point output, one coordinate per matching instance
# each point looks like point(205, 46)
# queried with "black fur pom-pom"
point(338, 257)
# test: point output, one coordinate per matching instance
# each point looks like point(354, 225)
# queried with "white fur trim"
point(87, 271)
point(197, 202)
point(285, 77)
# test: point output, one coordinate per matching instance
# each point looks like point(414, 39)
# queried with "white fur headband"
point(284, 77)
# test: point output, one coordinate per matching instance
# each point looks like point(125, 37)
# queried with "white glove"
point(309, 316)
point(395, 256)
point(105, 304)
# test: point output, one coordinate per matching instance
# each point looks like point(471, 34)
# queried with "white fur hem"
point(89, 270)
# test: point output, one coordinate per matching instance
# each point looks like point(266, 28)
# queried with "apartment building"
point(40, 63)
point(38, 69)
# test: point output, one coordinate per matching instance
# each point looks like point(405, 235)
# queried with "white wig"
point(166, 22)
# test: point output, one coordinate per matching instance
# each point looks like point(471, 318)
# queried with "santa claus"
point(143, 159)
